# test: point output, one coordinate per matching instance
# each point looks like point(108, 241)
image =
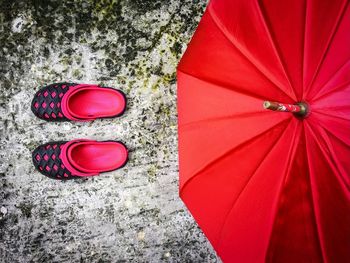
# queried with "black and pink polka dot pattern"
point(46, 159)
point(46, 104)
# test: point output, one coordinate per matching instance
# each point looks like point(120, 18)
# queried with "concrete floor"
point(130, 215)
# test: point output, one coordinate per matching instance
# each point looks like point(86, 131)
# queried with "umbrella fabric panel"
point(294, 236)
point(211, 194)
point(331, 198)
point(287, 34)
point(220, 62)
point(203, 140)
point(248, 227)
point(244, 25)
point(322, 23)
point(335, 104)
point(205, 101)
point(334, 69)
point(265, 33)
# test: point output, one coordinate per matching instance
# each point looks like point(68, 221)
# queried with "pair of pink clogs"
point(78, 158)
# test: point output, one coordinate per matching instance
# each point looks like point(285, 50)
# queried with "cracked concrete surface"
point(130, 215)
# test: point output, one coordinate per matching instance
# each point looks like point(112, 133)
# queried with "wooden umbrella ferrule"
point(299, 109)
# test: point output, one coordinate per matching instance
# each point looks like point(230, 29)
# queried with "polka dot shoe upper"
point(46, 159)
point(79, 158)
point(77, 102)
point(47, 101)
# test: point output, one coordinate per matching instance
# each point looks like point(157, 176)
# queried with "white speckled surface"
point(130, 215)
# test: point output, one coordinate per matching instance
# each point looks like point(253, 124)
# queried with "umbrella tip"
point(266, 104)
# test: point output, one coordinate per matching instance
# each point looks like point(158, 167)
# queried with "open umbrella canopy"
point(267, 185)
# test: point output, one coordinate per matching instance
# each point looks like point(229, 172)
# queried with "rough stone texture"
point(130, 215)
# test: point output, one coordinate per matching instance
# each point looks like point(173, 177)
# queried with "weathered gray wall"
point(130, 215)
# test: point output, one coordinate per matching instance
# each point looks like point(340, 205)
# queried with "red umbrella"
point(266, 185)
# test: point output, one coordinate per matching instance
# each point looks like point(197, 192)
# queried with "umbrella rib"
point(247, 56)
point(316, 218)
point(331, 115)
point(303, 54)
point(249, 180)
point(330, 132)
point(319, 93)
point(292, 152)
point(275, 47)
point(340, 107)
point(223, 85)
point(337, 168)
point(339, 88)
point(326, 128)
point(327, 47)
point(230, 151)
point(239, 115)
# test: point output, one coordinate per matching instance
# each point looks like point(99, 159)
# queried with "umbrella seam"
point(320, 95)
point(224, 85)
point(248, 181)
point(275, 47)
point(326, 49)
point(227, 153)
point(337, 161)
point(292, 153)
point(318, 227)
point(217, 22)
point(330, 115)
point(242, 115)
point(303, 52)
point(336, 168)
